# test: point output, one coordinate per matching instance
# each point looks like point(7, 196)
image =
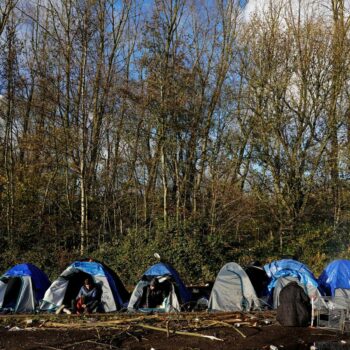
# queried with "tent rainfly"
point(335, 281)
point(62, 291)
point(169, 280)
point(22, 287)
point(233, 290)
point(282, 272)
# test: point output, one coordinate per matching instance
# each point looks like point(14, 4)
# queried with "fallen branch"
point(111, 323)
point(230, 326)
point(211, 337)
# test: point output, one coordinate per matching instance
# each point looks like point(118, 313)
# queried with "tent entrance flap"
point(75, 282)
point(13, 289)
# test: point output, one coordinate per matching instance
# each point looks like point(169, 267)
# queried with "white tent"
point(233, 291)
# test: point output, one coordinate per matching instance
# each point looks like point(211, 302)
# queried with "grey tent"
point(282, 282)
point(63, 290)
point(169, 280)
point(282, 272)
point(170, 303)
point(22, 287)
point(233, 290)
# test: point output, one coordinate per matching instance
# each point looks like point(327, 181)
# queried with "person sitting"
point(153, 295)
point(87, 299)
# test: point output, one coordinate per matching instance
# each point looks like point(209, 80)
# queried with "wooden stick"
point(230, 326)
point(180, 332)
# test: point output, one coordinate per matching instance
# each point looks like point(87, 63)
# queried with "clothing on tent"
point(294, 309)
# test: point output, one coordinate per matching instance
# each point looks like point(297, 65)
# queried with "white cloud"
point(288, 8)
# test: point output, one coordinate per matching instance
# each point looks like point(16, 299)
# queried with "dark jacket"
point(152, 298)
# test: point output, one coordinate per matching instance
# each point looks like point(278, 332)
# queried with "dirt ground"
point(139, 338)
point(232, 330)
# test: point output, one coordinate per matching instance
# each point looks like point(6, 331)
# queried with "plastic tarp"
point(233, 290)
point(289, 267)
point(163, 269)
point(281, 272)
point(40, 281)
point(335, 276)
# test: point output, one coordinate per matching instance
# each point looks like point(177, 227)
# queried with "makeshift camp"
point(21, 288)
point(65, 289)
point(169, 281)
point(282, 272)
point(233, 291)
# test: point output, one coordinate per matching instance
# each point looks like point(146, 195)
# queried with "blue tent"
point(335, 276)
point(97, 269)
point(163, 269)
point(66, 287)
point(282, 272)
point(22, 287)
point(178, 294)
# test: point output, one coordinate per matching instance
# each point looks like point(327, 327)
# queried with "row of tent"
point(25, 288)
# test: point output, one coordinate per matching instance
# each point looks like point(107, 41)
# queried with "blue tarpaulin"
point(163, 269)
point(335, 275)
point(40, 281)
point(289, 267)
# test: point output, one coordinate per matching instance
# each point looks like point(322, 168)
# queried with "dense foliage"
point(173, 126)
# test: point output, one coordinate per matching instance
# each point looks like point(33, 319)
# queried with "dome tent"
point(335, 278)
point(66, 287)
point(22, 287)
point(167, 275)
point(233, 290)
point(335, 282)
point(282, 272)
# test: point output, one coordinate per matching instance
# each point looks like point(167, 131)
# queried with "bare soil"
point(140, 338)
